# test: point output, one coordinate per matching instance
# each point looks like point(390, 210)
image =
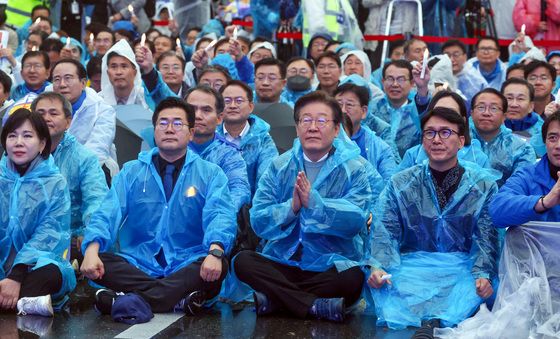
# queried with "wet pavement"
point(222, 321)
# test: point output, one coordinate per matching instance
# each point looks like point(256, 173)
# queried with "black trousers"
point(161, 293)
point(292, 289)
point(42, 281)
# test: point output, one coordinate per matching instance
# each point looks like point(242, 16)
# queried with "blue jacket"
point(409, 219)
point(227, 156)
point(404, 131)
point(376, 151)
point(290, 97)
point(35, 220)
point(530, 130)
point(257, 148)
point(136, 221)
point(329, 230)
point(514, 203)
point(85, 178)
point(470, 82)
point(507, 152)
point(20, 91)
point(472, 153)
point(496, 78)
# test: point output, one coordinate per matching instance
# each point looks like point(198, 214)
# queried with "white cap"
point(265, 45)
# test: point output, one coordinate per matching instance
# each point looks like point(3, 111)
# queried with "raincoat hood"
point(363, 58)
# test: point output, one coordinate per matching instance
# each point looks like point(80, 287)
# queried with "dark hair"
point(399, 64)
point(241, 84)
point(208, 90)
point(148, 43)
point(40, 7)
point(203, 39)
point(299, 58)
point(126, 33)
point(331, 55)
point(360, 91)
point(533, 65)
point(496, 42)
point(408, 43)
point(322, 97)
point(215, 69)
point(448, 115)
point(95, 27)
point(272, 62)
point(115, 54)
point(516, 81)
point(172, 41)
point(454, 43)
point(51, 45)
point(107, 30)
point(173, 102)
point(196, 28)
point(47, 19)
point(491, 90)
point(462, 108)
point(170, 54)
point(66, 105)
point(94, 66)
point(152, 30)
point(331, 43)
point(553, 117)
point(220, 43)
point(515, 67)
point(6, 81)
point(80, 69)
point(394, 45)
point(3, 17)
point(42, 54)
point(41, 35)
point(18, 118)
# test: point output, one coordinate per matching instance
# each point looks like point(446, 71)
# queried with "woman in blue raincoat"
point(34, 219)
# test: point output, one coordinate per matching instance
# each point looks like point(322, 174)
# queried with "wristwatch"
point(217, 253)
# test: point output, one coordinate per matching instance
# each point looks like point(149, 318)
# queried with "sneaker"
point(38, 325)
point(331, 309)
point(262, 303)
point(35, 305)
point(191, 304)
point(104, 300)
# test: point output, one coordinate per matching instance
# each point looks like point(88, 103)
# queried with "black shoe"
point(104, 300)
point(191, 304)
point(262, 303)
point(331, 309)
point(427, 329)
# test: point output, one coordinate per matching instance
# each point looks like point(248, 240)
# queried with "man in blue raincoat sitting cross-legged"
point(434, 248)
point(311, 207)
point(164, 228)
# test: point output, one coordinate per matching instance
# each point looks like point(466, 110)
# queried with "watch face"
point(217, 253)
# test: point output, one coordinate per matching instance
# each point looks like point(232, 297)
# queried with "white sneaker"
point(35, 305)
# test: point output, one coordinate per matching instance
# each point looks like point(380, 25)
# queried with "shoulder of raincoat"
point(35, 220)
point(136, 221)
point(379, 154)
point(329, 230)
point(228, 157)
point(156, 95)
point(514, 204)
point(408, 218)
point(470, 82)
point(85, 178)
point(94, 125)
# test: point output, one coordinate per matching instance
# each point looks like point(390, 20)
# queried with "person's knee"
point(241, 263)
point(53, 278)
point(352, 284)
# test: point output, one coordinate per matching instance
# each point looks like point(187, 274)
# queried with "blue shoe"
point(104, 300)
point(262, 303)
point(331, 309)
point(191, 304)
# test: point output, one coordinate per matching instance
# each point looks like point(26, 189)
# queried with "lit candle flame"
point(235, 33)
point(523, 29)
point(91, 38)
point(131, 9)
point(191, 192)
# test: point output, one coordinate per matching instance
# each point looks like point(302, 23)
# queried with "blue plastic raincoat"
point(85, 178)
point(470, 82)
point(329, 230)
point(376, 151)
point(227, 156)
point(257, 148)
point(514, 204)
point(404, 124)
point(473, 153)
point(35, 220)
point(507, 152)
point(136, 215)
point(530, 130)
point(290, 97)
point(434, 255)
point(496, 77)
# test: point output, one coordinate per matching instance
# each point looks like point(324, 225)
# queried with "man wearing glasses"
point(542, 76)
point(469, 81)
point(396, 109)
point(487, 62)
point(246, 131)
point(170, 213)
point(433, 239)
point(300, 73)
point(172, 69)
point(311, 207)
point(35, 72)
point(506, 151)
point(270, 79)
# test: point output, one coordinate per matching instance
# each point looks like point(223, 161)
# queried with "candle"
point(143, 40)
point(67, 42)
point(37, 21)
point(523, 29)
point(235, 33)
point(210, 45)
point(91, 38)
point(131, 10)
point(386, 277)
point(178, 42)
point(424, 63)
point(445, 86)
point(34, 48)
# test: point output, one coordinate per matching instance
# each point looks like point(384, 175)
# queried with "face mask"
point(299, 83)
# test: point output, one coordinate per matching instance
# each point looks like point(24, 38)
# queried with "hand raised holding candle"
point(144, 58)
point(421, 83)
